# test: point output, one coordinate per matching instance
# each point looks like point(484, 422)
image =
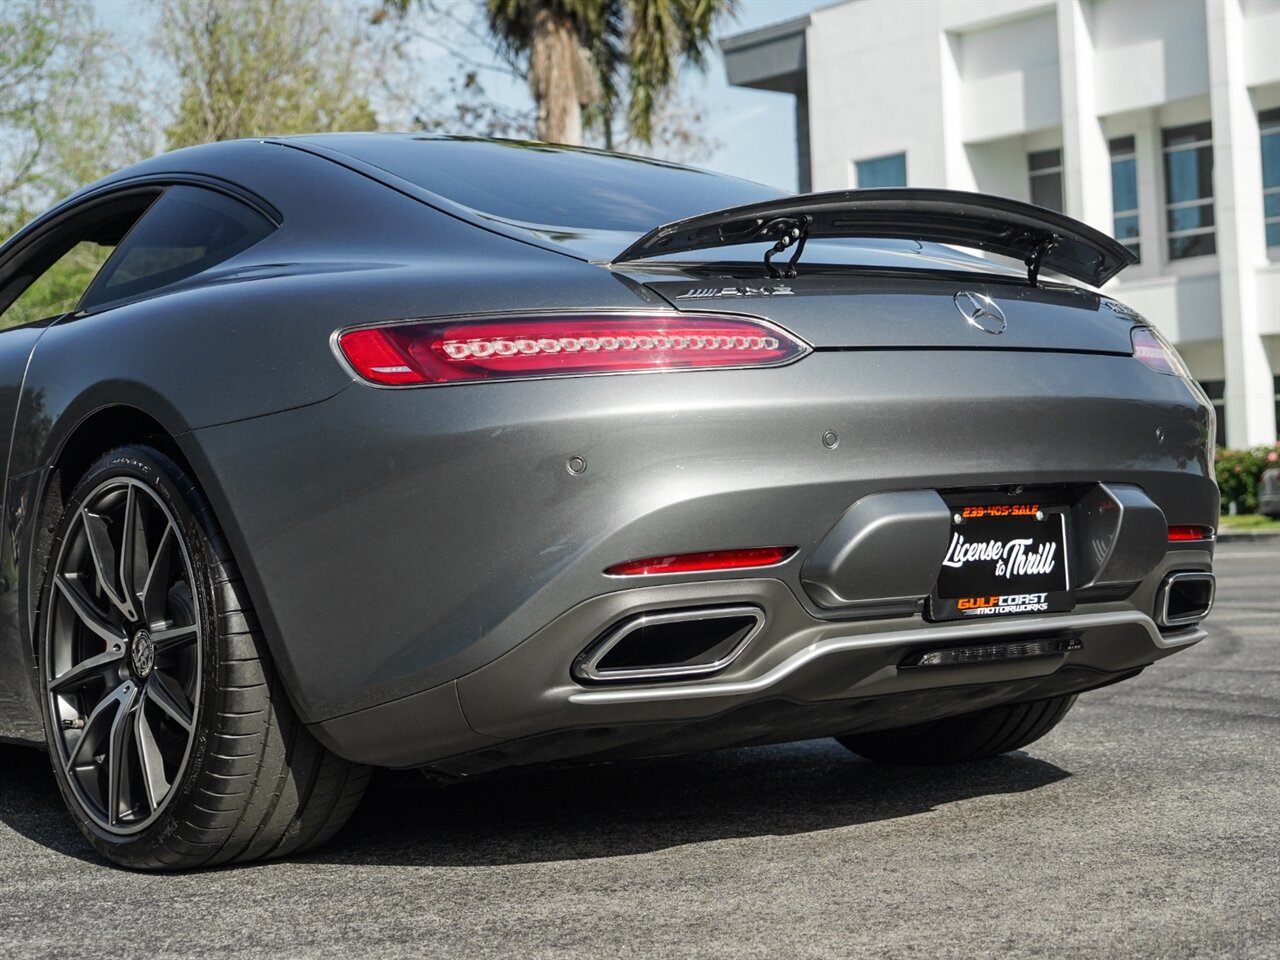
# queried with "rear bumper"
point(799, 677)
point(401, 544)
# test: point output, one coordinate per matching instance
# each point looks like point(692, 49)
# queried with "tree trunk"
point(562, 78)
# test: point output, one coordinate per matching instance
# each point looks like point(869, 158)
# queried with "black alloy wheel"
point(123, 648)
point(172, 738)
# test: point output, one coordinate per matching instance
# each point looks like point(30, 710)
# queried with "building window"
point(1216, 391)
point(1188, 188)
point(888, 171)
point(1269, 127)
point(1044, 168)
point(1124, 193)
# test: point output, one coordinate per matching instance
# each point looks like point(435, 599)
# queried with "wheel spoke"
point(170, 698)
point(171, 638)
point(104, 560)
point(87, 734)
point(129, 543)
point(117, 770)
point(150, 758)
point(155, 585)
point(86, 670)
point(85, 611)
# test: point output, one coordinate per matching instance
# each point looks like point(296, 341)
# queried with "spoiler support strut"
point(793, 231)
point(1037, 258)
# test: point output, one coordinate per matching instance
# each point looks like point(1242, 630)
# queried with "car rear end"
point(733, 509)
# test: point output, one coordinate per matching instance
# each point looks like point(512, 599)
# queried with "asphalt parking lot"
point(1146, 825)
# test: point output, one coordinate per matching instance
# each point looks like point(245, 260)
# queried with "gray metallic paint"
point(402, 546)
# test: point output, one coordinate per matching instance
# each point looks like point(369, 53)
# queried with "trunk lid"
point(910, 311)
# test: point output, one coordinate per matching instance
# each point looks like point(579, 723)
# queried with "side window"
point(58, 289)
point(186, 231)
point(51, 279)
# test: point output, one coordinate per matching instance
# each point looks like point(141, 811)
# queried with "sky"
point(754, 129)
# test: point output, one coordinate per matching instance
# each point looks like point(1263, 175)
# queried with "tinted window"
point(186, 231)
point(883, 171)
point(1045, 169)
point(552, 186)
point(58, 289)
point(1269, 127)
point(1124, 193)
point(53, 277)
point(1188, 187)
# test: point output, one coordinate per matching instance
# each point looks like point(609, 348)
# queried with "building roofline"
point(774, 31)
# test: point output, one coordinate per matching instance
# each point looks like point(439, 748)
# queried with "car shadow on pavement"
point(625, 808)
point(605, 810)
point(31, 805)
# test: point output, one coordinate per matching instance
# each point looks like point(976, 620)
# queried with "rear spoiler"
point(1040, 238)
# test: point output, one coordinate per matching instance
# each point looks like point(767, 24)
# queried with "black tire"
point(253, 783)
point(972, 736)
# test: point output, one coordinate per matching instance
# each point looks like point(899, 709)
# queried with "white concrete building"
point(1155, 120)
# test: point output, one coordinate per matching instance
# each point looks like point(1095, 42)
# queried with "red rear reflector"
point(710, 560)
point(1183, 532)
point(535, 346)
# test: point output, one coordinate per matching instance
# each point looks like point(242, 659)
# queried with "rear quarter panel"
point(252, 338)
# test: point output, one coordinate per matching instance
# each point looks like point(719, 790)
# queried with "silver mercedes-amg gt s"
point(334, 452)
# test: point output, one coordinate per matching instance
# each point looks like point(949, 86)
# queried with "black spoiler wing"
point(1041, 238)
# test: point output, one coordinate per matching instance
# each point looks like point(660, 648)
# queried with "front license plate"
point(1003, 559)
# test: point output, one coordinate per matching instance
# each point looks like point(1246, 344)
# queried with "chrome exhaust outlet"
point(670, 645)
point(1184, 598)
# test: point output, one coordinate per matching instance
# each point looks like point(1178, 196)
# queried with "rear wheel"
point(973, 736)
point(172, 741)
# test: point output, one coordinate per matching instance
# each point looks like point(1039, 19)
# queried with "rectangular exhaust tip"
point(670, 645)
point(994, 652)
point(1185, 598)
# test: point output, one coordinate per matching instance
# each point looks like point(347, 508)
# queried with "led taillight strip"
point(430, 352)
point(526, 346)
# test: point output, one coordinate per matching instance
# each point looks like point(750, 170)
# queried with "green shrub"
point(1240, 472)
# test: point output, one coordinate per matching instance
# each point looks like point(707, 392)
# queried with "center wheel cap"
point(142, 654)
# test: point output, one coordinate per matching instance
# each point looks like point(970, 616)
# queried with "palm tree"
point(580, 52)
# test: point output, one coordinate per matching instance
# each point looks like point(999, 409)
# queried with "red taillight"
point(462, 350)
point(1182, 533)
point(1154, 351)
point(709, 560)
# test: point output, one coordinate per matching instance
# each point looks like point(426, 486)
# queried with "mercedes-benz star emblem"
point(981, 311)
point(143, 654)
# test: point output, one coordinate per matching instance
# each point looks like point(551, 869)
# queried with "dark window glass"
point(1216, 390)
point(52, 280)
point(58, 289)
point(1269, 127)
point(1182, 219)
point(1195, 245)
point(1045, 167)
point(1044, 160)
point(1124, 183)
point(883, 171)
point(1191, 134)
point(1188, 185)
point(1124, 193)
point(186, 231)
point(542, 185)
